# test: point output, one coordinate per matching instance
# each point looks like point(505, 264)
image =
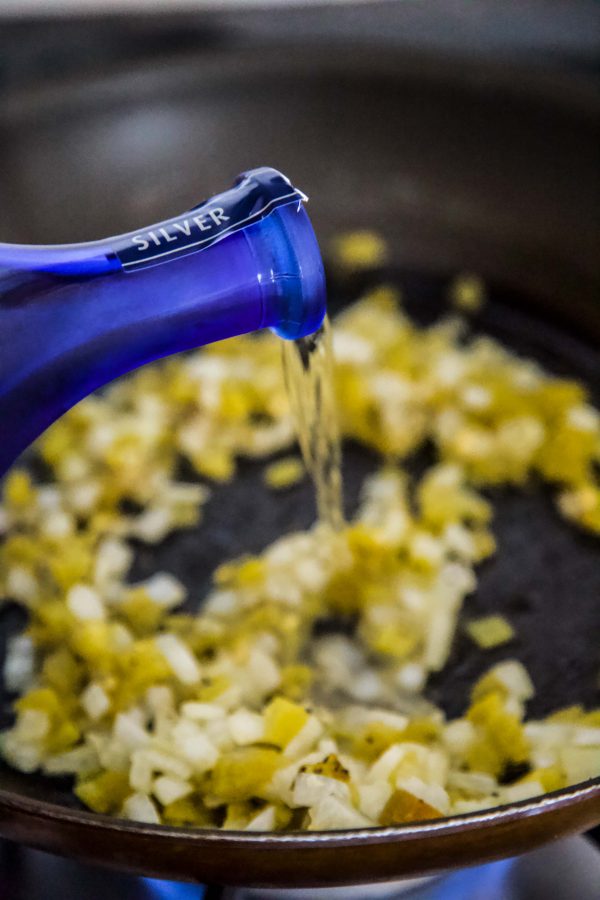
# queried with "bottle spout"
point(73, 318)
point(295, 283)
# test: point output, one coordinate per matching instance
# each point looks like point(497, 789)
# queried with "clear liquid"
point(308, 370)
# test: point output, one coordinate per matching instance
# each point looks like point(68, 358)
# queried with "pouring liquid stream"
point(308, 370)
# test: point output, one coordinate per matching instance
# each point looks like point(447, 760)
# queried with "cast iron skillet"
point(460, 167)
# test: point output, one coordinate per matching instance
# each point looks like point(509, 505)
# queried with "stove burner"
point(488, 882)
point(567, 870)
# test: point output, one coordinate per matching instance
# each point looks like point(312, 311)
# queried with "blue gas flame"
point(157, 889)
point(481, 883)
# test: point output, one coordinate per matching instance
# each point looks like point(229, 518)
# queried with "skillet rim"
point(555, 800)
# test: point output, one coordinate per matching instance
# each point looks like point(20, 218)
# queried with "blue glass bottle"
point(72, 318)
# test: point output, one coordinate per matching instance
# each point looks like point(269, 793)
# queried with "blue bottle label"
point(256, 194)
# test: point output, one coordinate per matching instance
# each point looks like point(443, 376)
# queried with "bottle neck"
point(73, 319)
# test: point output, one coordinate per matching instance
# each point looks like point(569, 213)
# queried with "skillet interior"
point(454, 180)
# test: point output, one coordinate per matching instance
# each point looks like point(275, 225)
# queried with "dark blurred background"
point(49, 38)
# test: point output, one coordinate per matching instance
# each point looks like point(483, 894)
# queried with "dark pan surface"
point(366, 142)
point(545, 577)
